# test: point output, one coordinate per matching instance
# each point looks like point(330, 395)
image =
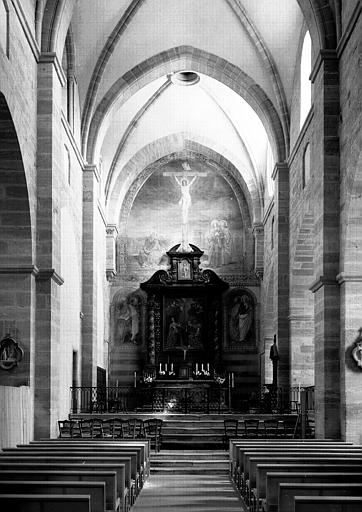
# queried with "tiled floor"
point(189, 493)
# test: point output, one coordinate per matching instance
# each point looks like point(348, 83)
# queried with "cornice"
point(344, 277)
point(322, 281)
point(26, 269)
point(49, 273)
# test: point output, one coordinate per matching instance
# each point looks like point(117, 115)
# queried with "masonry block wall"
point(350, 277)
point(18, 132)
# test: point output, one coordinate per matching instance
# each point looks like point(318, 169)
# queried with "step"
point(192, 454)
point(190, 470)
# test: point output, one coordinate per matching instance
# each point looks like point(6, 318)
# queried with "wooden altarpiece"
point(184, 305)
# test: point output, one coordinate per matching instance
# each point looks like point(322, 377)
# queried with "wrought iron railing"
point(212, 398)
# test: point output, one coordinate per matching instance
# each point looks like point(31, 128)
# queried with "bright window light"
point(305, 84)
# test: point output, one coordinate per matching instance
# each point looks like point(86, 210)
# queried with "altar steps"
point(197, 462)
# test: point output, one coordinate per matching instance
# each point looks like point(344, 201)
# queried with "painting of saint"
point(151, 252)
point(241, 318)
point(127, 321)
point(184, 271)
point(174, 336)
point(183, 323)
point(220, 244)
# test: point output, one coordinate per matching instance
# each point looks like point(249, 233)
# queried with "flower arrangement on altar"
point(148, 379)
point(219, 380)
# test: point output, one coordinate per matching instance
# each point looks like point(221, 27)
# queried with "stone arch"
point(175, 144)
point(320, 19)
point(55, 17)
point(301, 319)
point(16, 254)
point(192, 58)
point(226, 170)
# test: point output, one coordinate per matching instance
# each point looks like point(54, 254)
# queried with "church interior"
point(181, 223)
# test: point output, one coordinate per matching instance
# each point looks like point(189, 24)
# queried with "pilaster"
point(112, 232)
point(281, 266)
point(326, 237)
point(47, 316)
point(89, 309)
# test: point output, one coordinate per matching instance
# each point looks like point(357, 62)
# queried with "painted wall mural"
point(179, 203)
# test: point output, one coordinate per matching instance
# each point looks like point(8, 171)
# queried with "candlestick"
point(208, 367)
point(232, 380)
point(117, 383)
point(135, 379)
point(160, 367)
point(171, 367)
point(197, 367)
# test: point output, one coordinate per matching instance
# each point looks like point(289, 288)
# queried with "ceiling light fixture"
point(185, 78)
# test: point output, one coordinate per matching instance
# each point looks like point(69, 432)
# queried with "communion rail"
point(211, 399)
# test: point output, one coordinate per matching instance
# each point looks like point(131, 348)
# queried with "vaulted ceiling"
point(245, 54)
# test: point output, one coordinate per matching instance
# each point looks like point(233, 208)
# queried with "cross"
point(185, 180)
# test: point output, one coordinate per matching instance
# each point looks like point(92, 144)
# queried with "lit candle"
point(202, 367)
point(207, 367)
point(160, 367)
point(171, 367)
point(197, 367)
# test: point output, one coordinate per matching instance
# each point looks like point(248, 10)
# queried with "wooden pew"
point(296, 467)
point(109, 478)
point(119, 469)
point(251, 462)
point(95, 490)
point(68, 459)
point(143, 445)
point(327, 503)
point(55, 453)
point(236, 446)
point(44, 503)
point(287, 492)
point(273, 479)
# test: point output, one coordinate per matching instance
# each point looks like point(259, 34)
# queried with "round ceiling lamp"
point(185, 78)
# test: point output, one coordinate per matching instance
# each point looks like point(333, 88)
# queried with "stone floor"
point(191, 493)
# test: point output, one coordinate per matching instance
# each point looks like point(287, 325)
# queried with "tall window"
point(67, 164)
point(272, 233)
point(306, 165)
point(305, 84)
point(4, 27)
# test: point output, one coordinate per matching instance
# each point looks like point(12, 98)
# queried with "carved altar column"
point(151, 349)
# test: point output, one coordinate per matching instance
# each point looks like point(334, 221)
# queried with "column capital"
point(322, 281)
point(279, 167)
point(258, 228)
point(52, 58)
point(323, 56)
point(92, 169)
point(112, 230)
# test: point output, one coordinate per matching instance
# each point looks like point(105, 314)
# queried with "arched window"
point(306, 165)
point(4, 27)
point(305, 84)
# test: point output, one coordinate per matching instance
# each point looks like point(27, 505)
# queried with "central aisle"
point(192, 480)
point(191, 493)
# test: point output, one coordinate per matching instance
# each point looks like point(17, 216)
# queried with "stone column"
point(49, 157)
point(89, 323)
point(281, 273)
point(325, 158)
point(111, 237)
point(258, 232)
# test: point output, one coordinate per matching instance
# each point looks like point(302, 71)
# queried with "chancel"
point(180, 255)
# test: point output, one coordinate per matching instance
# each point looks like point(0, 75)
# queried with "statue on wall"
point(127, 321)
point(241, 317)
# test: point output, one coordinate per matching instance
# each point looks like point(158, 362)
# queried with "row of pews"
point(73, 475)
point(293, 475)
